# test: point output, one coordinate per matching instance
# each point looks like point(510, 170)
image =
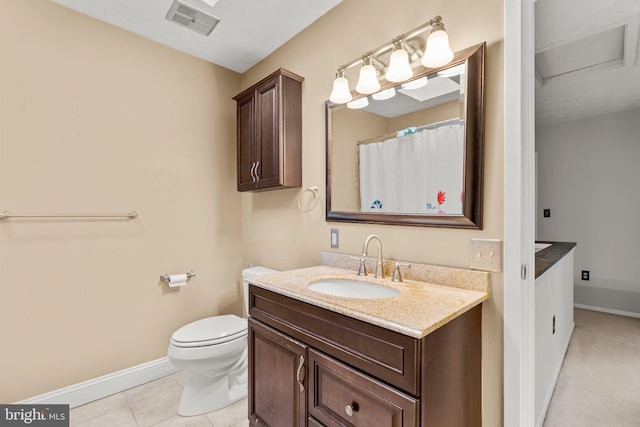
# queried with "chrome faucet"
point(379, 269)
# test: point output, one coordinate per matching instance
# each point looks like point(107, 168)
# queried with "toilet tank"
point(246, 274)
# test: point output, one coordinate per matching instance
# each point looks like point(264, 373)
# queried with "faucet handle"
point(362, 270)
point(397, 275)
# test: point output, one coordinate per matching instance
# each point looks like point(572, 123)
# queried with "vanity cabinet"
point(312, 366)
point(269, 127)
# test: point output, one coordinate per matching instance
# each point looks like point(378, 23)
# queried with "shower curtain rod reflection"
point(6, 215)
point(418, 129)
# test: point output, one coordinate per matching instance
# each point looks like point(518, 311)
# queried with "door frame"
point(519, 214)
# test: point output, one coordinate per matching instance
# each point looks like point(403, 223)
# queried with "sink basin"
point(352, 289)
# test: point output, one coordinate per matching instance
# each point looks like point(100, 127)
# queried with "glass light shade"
point(416, 84)
point(368, 81)
point(452, 71)
point(358, 103)
point(438, 52)
point(340, 93)
point(399, 68)
point(385, 94)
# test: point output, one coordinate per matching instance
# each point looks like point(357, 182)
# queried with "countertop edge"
point(548, 257)
point(343, 306)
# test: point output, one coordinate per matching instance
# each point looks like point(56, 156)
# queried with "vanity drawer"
point(340, 395)
point(384, 354)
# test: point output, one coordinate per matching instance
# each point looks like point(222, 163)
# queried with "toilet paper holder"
point(165, 277)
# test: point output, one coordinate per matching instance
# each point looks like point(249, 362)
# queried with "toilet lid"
point(211, 330)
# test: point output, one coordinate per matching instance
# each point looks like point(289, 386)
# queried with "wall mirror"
point(414, 158)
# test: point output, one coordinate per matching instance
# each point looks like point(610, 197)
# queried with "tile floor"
point(153, 404)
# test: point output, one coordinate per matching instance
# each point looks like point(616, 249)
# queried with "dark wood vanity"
point(309, 366)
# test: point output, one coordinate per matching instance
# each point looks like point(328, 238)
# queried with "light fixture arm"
point(435, 23)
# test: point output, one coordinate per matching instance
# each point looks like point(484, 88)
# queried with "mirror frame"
point(473, 153)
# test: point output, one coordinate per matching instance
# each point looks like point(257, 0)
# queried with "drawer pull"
point(350, 409)
point(299, 374)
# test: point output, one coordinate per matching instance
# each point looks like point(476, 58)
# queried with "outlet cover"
point(335, 238)
point(486, 254)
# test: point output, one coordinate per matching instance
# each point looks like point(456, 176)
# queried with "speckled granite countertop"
point(546, 258)
point(421, 308)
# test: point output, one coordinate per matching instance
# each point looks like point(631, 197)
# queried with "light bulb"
point(399, 68)
point(358, 103)
point(340, 92)
point(416, 84)
point(438, 52)
point(385, 94)
point(368, 81)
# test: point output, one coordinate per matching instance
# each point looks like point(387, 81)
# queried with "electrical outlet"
point(335, 238)
point(486, 254)
point(547, 213)
point(585, 274)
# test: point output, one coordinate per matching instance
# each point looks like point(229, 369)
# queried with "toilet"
point(213, 352)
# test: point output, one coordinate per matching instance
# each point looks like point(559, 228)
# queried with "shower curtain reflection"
point(419, 172)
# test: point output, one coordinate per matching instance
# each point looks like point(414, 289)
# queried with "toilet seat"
point(210, 331)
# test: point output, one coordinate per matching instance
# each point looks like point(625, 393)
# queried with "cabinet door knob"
point(350, 409)
point(299, 374)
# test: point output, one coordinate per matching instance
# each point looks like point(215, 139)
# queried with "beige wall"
point(94, 119)
point(276, 234)
point(97, 120)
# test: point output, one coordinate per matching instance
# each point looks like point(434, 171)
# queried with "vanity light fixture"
point(416, 84)
point(384, 94)
point(340, 93)
point(368, 82)
point(395, 60)
point(399, 68)
point(358, 103)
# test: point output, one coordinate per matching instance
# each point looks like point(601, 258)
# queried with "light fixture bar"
point(437, 21)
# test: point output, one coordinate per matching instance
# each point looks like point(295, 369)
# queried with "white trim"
point(97, 388)
point(608, 310)
point(556, 375)
point(519, 206)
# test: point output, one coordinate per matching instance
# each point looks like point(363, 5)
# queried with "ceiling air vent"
point(194, 14)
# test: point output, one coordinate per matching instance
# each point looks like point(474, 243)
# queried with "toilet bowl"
point(213, 352)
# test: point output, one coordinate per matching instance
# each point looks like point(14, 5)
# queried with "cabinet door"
point(246, 138)
point(267, 135)
point(277, 378)
point(342, 396)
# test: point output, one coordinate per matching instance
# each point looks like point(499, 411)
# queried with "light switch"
point(334, 238)
point(486, 254)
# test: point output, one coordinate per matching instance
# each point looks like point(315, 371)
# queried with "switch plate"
point(486, 254)
point(335, 238)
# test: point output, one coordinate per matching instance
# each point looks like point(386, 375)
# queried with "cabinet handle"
point(257, 174)
point(350, 409)
point(299, 374)
point(253, 177)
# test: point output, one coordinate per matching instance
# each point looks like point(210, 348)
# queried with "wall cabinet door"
point(277, 378)
point(269, 116)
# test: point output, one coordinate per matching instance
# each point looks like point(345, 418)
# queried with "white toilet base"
point(203, 394)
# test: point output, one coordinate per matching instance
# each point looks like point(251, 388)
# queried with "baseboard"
point(556, 375)
point(608, 310)
point(97, 388)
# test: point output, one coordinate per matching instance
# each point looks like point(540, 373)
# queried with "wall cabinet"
point(311, 366)
point(269, 125)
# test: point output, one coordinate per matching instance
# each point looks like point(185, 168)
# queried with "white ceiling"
point(574, 34)
point(248, 31)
